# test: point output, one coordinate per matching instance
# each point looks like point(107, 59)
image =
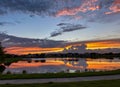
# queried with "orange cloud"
point(32, 50)
point(88, 5)
point(103, 44)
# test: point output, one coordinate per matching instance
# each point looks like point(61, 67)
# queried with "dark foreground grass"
point(57, 75)
point(105, 83)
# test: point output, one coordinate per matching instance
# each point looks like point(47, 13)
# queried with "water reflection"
point(104, 64)
point(53, 65)
point(76, 63)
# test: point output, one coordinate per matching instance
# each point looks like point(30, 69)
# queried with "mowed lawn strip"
point(56, 75)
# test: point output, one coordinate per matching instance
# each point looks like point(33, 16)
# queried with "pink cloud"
point(115, 7)
point(88, 5)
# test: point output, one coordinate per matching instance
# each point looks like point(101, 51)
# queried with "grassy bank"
point(106, 83)
point(57, 75)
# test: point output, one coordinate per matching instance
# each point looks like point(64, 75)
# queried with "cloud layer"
point(17, 44)
point(91, 10)
point(38, 7)
point(13, 41)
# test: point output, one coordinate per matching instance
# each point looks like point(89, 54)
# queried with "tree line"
point(77, 55)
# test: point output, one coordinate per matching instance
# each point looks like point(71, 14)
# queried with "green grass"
point(105, 83)
point(57, 75)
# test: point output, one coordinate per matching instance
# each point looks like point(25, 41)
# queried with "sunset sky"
point(95, 23)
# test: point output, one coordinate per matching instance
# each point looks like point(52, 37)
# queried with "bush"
point(2, 68)
point(8, 72)
point(24, 71)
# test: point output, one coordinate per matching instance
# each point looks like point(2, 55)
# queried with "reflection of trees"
point(5, 59)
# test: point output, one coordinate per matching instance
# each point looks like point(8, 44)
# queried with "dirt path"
point(75, 79)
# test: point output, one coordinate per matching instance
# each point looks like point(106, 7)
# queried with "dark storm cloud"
point(67, 27)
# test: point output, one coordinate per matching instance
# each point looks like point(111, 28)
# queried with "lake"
point(71, 65)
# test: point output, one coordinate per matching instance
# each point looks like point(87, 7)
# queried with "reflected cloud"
point(63, 65)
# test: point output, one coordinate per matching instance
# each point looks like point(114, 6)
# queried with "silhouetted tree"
point(2, 53)
point(1, 49)
point(2, 68)
point(2, 56)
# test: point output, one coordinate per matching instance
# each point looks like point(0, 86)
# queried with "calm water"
point(53, 65)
